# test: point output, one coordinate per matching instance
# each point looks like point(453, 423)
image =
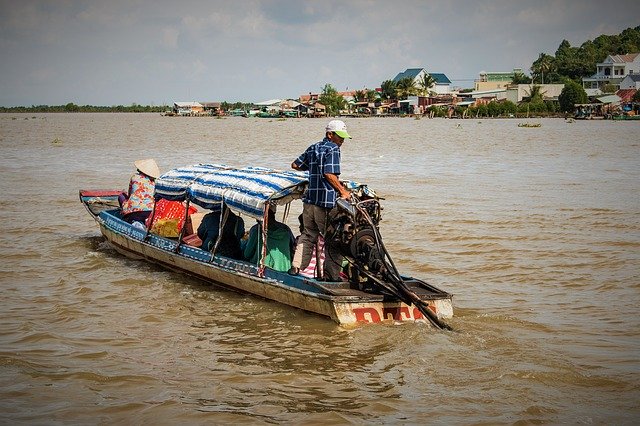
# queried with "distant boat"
point(264, 114)
point(237, 113)
point(625, 117)
point(529, 125)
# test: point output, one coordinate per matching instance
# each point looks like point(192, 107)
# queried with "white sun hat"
point(148, 167)
point(339, 128)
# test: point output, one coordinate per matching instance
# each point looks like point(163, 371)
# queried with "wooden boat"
point(369, 297)
point(529, 124)
point(625, 117)
point(265, 114)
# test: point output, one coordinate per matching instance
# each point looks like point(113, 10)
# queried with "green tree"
point(493, 109)
point(551, 106)
point(534, 94)
point(537, 107)
point(523, 108)
point(331, 99)
point(543, 65)
point(509, 107)
point(372, 95)
point(425, 84)
point(520, 78)
point(636, 96)
point(568, 61)
point(440, 111)
point(405, 88)
point(388, 89)
point(71, 107)
point(572, 94)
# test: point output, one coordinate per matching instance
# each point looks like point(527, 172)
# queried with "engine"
point(353, 227)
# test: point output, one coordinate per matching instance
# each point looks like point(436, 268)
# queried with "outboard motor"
point(353, 228)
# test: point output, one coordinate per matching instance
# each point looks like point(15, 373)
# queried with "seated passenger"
point(208, 230)
point(137, 203)
point(280, 244)
point(232, 232)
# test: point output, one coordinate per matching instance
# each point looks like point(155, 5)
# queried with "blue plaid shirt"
point(320, 158)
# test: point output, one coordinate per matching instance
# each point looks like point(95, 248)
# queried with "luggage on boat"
point(168, 218)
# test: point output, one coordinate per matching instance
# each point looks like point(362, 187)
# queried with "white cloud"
point(170, 37)
point(198, 68)
point(275, 72)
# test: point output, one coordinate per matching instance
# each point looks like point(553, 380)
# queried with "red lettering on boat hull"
point(400, 313)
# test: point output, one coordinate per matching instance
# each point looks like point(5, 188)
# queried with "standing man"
point(322, 160)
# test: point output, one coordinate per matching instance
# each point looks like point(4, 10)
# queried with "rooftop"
point(629, 57)
point(439, 78)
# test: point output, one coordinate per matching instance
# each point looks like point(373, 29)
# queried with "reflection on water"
point(535, 230)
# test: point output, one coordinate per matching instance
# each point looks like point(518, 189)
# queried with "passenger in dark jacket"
point(232, 233)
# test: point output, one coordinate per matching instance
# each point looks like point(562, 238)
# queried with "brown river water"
point(536, 231)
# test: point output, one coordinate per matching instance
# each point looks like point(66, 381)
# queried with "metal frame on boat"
point(249, 191)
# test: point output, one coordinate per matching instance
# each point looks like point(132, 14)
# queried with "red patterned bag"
point(168, 218)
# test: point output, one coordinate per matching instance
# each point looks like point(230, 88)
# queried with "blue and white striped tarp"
point(244, 190)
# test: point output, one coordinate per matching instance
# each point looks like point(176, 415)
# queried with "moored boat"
point(625, 117)
point(374, 292)
point(529, 124)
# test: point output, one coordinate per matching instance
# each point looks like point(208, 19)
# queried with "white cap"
point(339, 128)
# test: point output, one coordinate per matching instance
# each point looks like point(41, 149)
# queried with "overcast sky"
point(156, 51)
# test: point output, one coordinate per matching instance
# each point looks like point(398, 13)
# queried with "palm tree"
point(405, 87)
point(360, 95)
point(388, 89)
point(371, 95)
point(534, 94)
point(543, 64)
point(520, 78)
point(426, 83)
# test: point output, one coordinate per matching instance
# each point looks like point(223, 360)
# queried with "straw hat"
point(148, 167)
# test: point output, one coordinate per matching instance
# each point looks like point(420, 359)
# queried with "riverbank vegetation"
point(574, 63)
point(71, 107)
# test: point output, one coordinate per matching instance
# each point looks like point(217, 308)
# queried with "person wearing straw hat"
point(322, 160)
point(137, 203)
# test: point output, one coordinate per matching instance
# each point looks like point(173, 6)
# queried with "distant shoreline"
point(71, 107)
point(346, 116)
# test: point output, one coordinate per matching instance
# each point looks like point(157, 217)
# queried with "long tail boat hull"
point(339, 301)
